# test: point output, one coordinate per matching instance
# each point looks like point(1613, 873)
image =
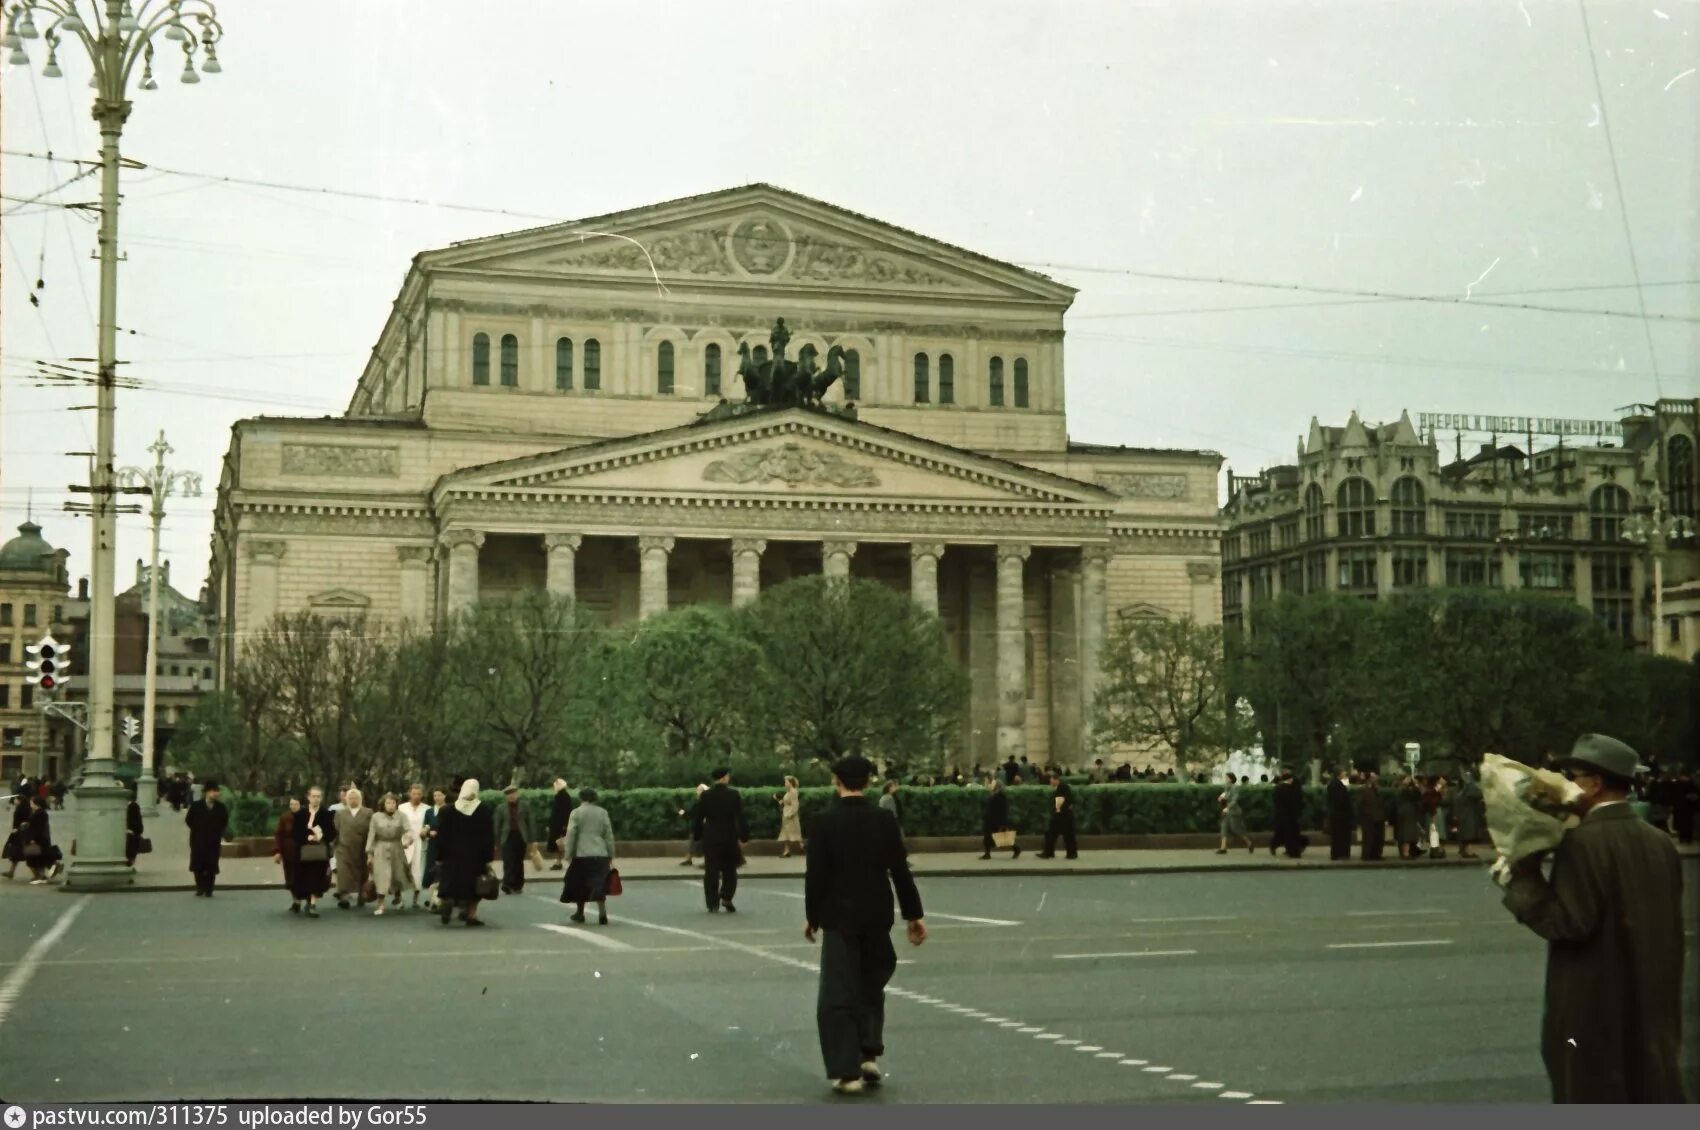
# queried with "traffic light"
point(49, 664)
point(132, 727)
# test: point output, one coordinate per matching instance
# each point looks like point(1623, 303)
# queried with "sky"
point(1208, 173)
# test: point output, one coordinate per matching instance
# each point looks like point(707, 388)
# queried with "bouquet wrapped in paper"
point(1528, 810)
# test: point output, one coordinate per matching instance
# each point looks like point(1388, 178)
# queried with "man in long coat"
point(208, 821)
point(353, 822)
point(513, 839)
point(1288, 802)
point(1372, 811)
point(1341, 817)
point(1612, 917)
point(720, 825)
point(1469, 813)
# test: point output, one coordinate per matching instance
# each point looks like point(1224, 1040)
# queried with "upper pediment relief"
point(757, 234)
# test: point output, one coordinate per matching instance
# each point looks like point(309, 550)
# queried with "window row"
point(995, 389)
point(26, 699)
point(31, 615)
point(579, 365)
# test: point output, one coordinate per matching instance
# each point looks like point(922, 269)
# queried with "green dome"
point(28, 552)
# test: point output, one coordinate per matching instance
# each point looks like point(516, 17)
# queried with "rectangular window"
point(5, 696)
point(58, 613)
point(206, 673)
point(176, 669)
point(1231, 547)
point(1260, 542)
point(1230, 590)
point(13, 739)
point(1262, 583)
point(6, 652)
point(1613, 573)
point(947, 380)
point(564, 365)
point(1357, 569)
point(1473, 567)
point(1316, 572)
point(1293, 574)
point(923, 379)
point(29, 615)
point(1289, 534)
point(1477, 525)
point(1543, 525)
point(1553, 572)
point(1408, 522)
point(592, 365)
point(27, 699)
point(1673, 625)
point(1410, 568)
point(852, 375)
point(5, 615)
point(1617, 613)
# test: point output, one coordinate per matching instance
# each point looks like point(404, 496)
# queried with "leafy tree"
point(1165, 681)
point(699, 682)
point(426, 726)
point(216, 741)
point(1299, 670)
point(852, 666)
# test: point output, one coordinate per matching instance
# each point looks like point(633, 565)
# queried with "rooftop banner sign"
point(1518, 425)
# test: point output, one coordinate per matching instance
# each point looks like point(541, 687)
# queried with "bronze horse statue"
point(779, 382)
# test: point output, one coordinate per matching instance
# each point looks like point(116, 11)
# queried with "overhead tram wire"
point(963, 256)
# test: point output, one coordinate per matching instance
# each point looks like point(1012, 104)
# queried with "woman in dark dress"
point(15, 841)
point(315, 830)
point(40, 856)
point(284, 849)
point(466, 843)
point(433, 817)
point(132, 831)
point(1408, 818)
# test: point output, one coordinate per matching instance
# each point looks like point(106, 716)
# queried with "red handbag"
point(614, 886)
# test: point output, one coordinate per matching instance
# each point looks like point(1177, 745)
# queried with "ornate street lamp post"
point(1656, 530)
point(117, 35)
point(160, 483)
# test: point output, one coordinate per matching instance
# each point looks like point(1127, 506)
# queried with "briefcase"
point(1004, 838)
point(143, 845)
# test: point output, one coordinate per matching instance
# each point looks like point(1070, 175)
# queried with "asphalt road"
point(1305, 987)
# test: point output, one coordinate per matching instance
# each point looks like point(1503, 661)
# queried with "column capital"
point(1017, 550)
point(1096, 554)
point(457, 539)
point(552, 542)
point(272, 549)
point(649, 542)
point(932, 549)
point(413, 554)
point(742, 546)
point(847, 548)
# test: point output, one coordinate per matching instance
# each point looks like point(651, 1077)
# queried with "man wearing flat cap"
point(1612, 918)
point(855, 858)
point(720, 826)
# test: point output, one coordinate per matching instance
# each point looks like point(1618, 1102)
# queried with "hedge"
point(943, 810)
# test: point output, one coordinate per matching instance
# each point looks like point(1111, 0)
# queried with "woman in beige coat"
point(790, 819)
point(353, 824)
point(386, 846)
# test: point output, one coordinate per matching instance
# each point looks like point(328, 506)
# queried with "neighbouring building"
point(563, 409)
point(1374, 509)
point(34, 581)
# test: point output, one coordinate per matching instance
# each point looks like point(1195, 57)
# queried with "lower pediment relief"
point(793, 465)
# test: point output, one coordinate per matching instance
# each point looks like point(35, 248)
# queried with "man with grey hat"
point(855, 857)
point(1612, 918)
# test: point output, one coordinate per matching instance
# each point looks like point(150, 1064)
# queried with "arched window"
point(994, 382)
point(711, 370)
point(1315, 521)
point(592, 365)
point(923, 379)
point(1408, 514)
point(510, 361)
point(1354, 508)
point(664, 368)
point(1607, 508)
point(1021, 382)
point(564, 364)
point(947, 379)
point(1679, 474)
point(852, 375)
point(760, 354)
point(480, 359)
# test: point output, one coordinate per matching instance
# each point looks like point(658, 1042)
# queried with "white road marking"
point(998, 1019)
point(1153, 1070)
point(19, 978)
point(1108, 1055)
point(1207, 1086)
point(602, 940)
point(1180, 1078)
point(1010, 1024)
point(1067, 1043)
point(1388, 945)
point(1030, 1031)
point(1090, 1048)
point(1185, 918)
point(930, 916)
point(1380, 913)
point(1234, 1095)
point(1049, 1036)
point(1266, 1102)
point(1126, 953)
point(1135, 1062)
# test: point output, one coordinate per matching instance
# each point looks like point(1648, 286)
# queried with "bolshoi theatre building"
point(570, 408)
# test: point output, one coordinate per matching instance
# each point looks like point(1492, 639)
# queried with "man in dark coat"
point(1341, 817)
point(1612, 916)
point(720, 826)
point(1469, 813)
point(855, 859)
point(1287, 801)
point(209, 822)
point(513, 837)
point(994, 817)
point(560, 808)
point(1372, 814)
point(1685, 805)
point(1062, 819)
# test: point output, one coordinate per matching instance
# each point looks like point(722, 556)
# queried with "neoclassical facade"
point(563, 409)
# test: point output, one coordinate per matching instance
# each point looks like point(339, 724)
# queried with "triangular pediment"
point(789, 452)
point(757, 234)
point(340, 598)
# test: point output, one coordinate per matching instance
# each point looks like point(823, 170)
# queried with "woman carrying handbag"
point(589, 848)
point(466, 845)
point(314, 832)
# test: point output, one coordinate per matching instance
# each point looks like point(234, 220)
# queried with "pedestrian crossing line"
point(1124, 953)
point(19, 978)
point(1207, 1086)
point(602, 940)
point(1234, 1095)
point(1388, 945)
point(1029, 1031)
point(1010, 1024)
point(1067, 1043)
point(1265, 1102)
point(997, 1019)
point(1135, 1062)
point(1108, 1055)
point(1157, 1070)
point(1180, 1078)
point(1391, 913)
point(1049, 1036)
point(969, 918)
point(1090, 1048)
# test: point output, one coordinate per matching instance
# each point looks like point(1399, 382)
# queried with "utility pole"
point(116, 36)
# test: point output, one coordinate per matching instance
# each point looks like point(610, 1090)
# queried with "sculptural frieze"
point(760, 245)
point(341, 460)
point(697, 252)
point(1138, 484)
point(791, 464)
point(822, 261)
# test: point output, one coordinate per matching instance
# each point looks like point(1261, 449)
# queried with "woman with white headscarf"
point(466, 843)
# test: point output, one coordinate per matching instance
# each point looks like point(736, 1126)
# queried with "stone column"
point(415, 564)
point(1012, 650)
point(463, 547)
point(1094, 614)
point(562, 553)
point(924, 574)
point(263, 557)
point(835, 557)
point(652, 576)
point(1202, 574)
point(746, 569)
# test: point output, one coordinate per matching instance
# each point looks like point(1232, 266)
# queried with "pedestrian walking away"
point(855, 859)
point(14, 852)
point(353, 824)
point(466, 843)
point(387, 841)
point(513, 833)
point(589, 847)
point(790, 819)
point(995, 822)
point(433, 815)
point(560, 810)
point(1233, 817)
point(284, 850)
point(693, 846)
point(1287, 800)
point(1342, 817)
point(1372, 812)
point(37, 849)
point(1611, 913)
point(135, 843)
point(1062, 819)
point(890, 803)
point(414, 813)
point(209, 827)
point(315, 840)
point(721, 827)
